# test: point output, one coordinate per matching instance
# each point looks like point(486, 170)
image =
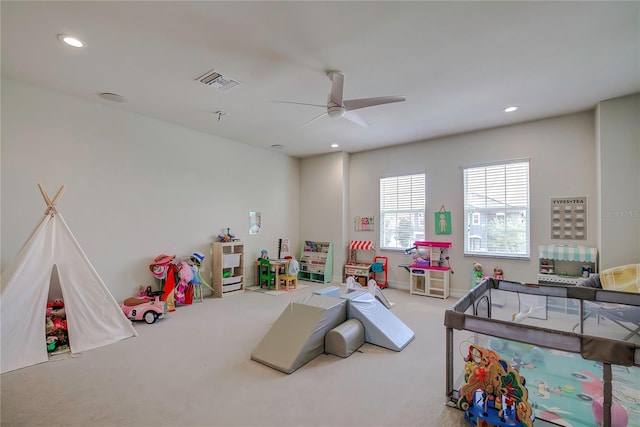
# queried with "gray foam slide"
point(381, 326)
point(297, 336)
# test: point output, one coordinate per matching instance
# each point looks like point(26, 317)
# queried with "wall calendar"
point(569, 218)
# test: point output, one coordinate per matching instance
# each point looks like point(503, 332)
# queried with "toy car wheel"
point(464, 406)
point(150, 317)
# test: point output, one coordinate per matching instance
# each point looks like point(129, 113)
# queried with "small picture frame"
point(363, 223)
point(255, 222)
point(442, 221)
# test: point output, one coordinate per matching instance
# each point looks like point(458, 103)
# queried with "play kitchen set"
point(430, 269)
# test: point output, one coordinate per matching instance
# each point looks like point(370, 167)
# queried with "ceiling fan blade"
point(356, 104)
point(301, 103)
point(314, 119)
point(356, 118)
point(337, 87)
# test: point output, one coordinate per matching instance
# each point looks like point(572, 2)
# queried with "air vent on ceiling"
point(218, 80)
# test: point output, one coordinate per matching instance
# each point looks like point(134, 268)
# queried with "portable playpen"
point(582, 367)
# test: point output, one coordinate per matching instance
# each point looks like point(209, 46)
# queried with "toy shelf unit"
point(363, 270)
point(227, 268)
point(316, 262)
point(568, 265)
point(429, 272)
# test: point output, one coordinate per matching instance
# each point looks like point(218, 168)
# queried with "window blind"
point(496, 209)
point(402, 209)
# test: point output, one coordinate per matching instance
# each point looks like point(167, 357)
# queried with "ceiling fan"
point(336, 107)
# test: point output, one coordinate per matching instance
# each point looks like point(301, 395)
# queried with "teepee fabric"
point(94, 318)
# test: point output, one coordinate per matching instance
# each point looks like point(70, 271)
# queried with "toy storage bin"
point(231, 283)
point(230, 260)
point(231, 280)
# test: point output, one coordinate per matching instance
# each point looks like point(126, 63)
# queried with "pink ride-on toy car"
point(142, 308)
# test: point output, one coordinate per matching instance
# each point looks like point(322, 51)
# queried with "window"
point(402, 205)
point(475, 242)
point(496, 209)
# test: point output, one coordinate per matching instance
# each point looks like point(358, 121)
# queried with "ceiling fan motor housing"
point(335, 110)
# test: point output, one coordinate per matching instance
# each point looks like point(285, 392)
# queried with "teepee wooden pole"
point(58, 194)
point(51, 203)
point(45, 196)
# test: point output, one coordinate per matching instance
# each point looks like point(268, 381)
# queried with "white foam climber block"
point(345, 338)
point(381, 326)
point(329, 291)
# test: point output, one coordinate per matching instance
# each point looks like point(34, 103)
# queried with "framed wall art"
point(442, 221)
point(255, 222)
point(363, 223)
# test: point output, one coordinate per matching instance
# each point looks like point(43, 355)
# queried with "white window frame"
point(492, 190)
point(402, 198)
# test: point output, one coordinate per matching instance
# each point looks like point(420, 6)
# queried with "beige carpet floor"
point(273, 292)
point(194, 369)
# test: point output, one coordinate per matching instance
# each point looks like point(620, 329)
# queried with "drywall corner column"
point(341, 252)
point(323, 203)
point(618, 177)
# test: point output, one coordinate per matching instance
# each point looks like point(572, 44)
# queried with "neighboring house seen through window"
point(496, 209)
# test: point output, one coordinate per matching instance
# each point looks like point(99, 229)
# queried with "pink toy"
point(186, 276)
point(142, 309)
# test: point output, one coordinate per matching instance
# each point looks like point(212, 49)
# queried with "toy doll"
point(476, 274)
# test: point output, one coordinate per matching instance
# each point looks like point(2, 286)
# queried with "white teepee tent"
point(94, 318)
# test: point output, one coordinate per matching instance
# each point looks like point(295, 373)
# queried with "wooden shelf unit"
point(430, 278)
point(227, 268)
point(316, 262)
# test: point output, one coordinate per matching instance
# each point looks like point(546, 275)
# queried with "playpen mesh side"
point(608, 363)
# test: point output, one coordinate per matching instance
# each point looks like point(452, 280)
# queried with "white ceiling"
point(458, 63)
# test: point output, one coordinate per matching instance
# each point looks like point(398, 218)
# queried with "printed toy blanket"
point(566, 389)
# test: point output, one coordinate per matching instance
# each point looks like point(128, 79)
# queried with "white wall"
point(560, 151)
point(618, 165)
point(562, 155)
point(135, 186)
point(322, 199)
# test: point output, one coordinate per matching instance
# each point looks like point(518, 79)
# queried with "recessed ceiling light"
point(71, 41)
point(277, 146)
point(334, 146)
point(511, 109)
point(114, 97)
